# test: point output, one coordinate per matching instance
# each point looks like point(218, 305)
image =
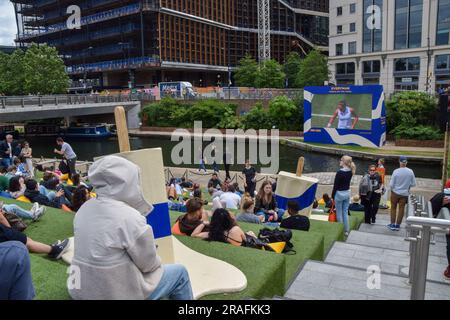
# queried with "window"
point(353, 27)
point(339, 11)
point(339, 29)
point(442, 62)
point(372, 28)
point(345, 68)
point(371, 66)
point(408, 23)
point(352, 47)
point(339, 49)
point(407, 64)
point(352, 7)
point(443, 27)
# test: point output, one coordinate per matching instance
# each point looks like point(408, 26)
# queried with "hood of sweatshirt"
point(119, 179)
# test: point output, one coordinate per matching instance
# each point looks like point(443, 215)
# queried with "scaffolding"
point(264, 30)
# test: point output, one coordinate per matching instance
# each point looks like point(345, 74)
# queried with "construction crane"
point(263, 30)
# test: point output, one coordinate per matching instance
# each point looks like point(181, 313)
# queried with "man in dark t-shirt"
point(295, 221)
point(249, 178)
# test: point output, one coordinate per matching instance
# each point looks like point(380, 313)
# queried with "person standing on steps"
point(341, 190)
point(370, 190)
point(402, 180)
point(69, 155)
point(227, 163)
point(249, 178)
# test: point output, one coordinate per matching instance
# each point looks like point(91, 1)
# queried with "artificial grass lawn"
point(268, 274)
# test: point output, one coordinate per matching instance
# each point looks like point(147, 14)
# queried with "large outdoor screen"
point(352, 115)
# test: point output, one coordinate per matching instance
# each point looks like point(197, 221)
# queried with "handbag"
point(332, 217)
point(15, 222)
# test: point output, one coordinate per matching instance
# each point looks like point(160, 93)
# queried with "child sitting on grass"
point(248, 211)
point(356, 205)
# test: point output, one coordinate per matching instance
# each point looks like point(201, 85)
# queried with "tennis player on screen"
point(348, 119)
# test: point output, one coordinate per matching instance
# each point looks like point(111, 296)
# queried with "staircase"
point(344, 273)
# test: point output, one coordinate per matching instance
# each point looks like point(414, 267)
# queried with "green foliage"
point(166, 113)
point(39, 70)
point(211, 112)
point(271, 75)
point(313, 70)
point(246, 73)
point(292, 68)
point(411, 108)
point(284, 113)
point(257, 118)
point(417, 132)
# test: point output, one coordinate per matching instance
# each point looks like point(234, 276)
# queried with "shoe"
point(396, 227)
point(447, 273)
point(34, 208)
point(58, 249)
point(391, 226)
point(39, 213)
point(346, 234)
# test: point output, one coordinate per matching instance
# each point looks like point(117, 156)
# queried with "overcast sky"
point(8, 27)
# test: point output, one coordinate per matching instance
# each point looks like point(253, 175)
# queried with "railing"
point(114, 65)
point(421, 230)
point(68, 99)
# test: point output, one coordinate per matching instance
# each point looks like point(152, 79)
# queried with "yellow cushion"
point(69, 182)
point(321, 202)
point(64, 177)
point(23, 199)
point(278, 247)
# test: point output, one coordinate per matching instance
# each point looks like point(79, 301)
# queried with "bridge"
point(26, 108)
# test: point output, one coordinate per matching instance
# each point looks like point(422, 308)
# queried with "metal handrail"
point(421, 228)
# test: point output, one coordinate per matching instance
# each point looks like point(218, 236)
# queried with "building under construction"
point(122, 43)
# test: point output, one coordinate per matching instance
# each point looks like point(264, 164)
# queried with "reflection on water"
point(88, 149)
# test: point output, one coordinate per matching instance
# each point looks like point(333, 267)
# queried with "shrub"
point(165, 113)
point(257, 118)
point(417, 132)
point(284, 113)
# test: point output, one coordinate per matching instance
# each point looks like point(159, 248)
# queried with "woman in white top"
point(27, 153)
point(348, 119)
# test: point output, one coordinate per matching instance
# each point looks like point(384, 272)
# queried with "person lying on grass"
point(16, 187)
point(222, 228)
point(195, 216)
point(34, 214)
point(115, 252)
point(54, 251)
point(41, 195)
point(80, 196)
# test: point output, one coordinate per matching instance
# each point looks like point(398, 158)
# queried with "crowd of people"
point(125, 246)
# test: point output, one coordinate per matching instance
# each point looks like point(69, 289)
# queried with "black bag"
point(64, 167)
point(15, 222)
point(277, 235)
point(252, 242)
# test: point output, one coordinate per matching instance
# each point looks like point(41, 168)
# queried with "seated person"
point(50, 180)
point(214, 182)
point(11, 172)
point(123, 263)
point(199, 195)
point(248, 212)
point(239, 192)
point(4, 181)
point(79, 196)
point(356, 204)
point(194, 216)
point(223, 228)
point(266, 204)
point(186, 184)
point(54, 200)
point(327, 200)
point(16, 187)
point(214, 193)
point(295, 221)
point(231, 199)
point(54, 251)
point(315, 208)
point(22, 169)
point(16, 282)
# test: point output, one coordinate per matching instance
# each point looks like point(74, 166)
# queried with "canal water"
point(314, 162)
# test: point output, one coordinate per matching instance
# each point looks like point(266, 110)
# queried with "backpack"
point(255, 243)
point(276, 235)
point(15, 222)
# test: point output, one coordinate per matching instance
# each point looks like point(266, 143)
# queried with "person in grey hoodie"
point(115, 253)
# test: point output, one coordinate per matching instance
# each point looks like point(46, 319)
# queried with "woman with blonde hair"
point(341, 190)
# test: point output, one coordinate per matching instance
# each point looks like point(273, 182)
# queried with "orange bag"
point(332, 216)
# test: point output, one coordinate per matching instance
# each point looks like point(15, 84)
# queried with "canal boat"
point(87, 131)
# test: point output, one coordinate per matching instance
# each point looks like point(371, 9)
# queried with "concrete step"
point(391, 242)
point(393, 262)
point(323, 281)
point(381, 228)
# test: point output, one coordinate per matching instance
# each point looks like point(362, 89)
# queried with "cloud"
point(8, 28)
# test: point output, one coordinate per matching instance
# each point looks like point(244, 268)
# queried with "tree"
point(12, 73)
point(271, 75)
point(292, 68)
point(284, 113)
point(247, 71)
point(313, 70)
point(44, 71)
